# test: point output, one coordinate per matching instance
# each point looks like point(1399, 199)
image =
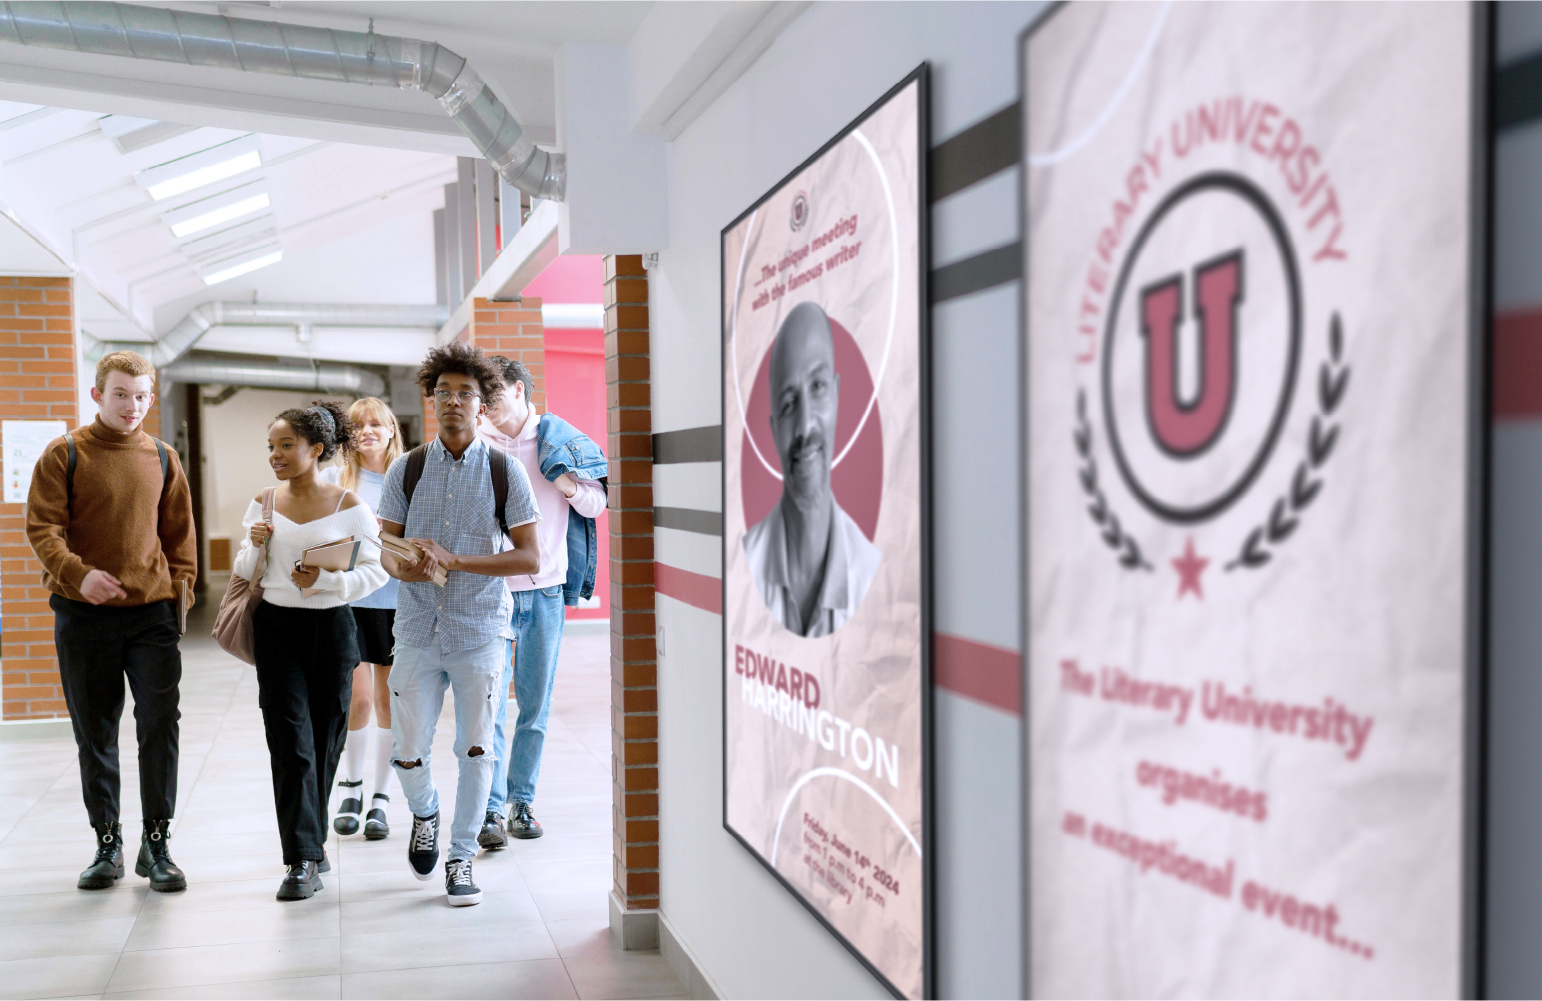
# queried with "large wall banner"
point(825, 694)
point(1251, 306)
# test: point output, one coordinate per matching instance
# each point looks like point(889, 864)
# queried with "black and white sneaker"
point(458, 887)
point(375, 826)
point(492, 837)
point(347, 819)
point(423, 846)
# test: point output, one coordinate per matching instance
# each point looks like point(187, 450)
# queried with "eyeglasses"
point(464, 395)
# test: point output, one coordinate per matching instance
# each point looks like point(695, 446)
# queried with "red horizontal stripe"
point(1517, 365)
point(705, 593)
point(976, 671)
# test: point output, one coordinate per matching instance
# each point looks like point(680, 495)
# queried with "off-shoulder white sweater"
point(289, 540)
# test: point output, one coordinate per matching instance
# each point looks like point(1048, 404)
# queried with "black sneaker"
point(155, 861)
point(107, 867)
point(492, 837)
point(522, 823)
point(375, 826)
point(301, 881)
point(347, 819)
point(423, 846)
point(458, 887)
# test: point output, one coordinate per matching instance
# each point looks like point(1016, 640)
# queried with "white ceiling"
point(68, 184)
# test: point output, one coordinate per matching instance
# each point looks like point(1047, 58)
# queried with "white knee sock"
point(354, 751)
point(383, 770)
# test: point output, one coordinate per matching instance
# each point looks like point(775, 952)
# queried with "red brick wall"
point(514, 330)
point(633, 670)
point(37, 382)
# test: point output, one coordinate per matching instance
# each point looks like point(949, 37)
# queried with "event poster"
point(1250, 465)
point(825, 616)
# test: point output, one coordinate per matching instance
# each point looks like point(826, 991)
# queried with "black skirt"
point(376, 638)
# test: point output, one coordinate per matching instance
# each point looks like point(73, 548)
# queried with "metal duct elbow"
point(195, 39)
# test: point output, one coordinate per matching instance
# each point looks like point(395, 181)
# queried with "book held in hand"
point(409, 552)
point(340, 556)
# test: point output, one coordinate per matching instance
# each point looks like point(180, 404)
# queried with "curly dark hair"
point(461, 358)
point(514, 371)
point(323, 423)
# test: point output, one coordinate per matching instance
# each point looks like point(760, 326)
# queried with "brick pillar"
point(516, 331)
point(37, 382)
point(634, 700)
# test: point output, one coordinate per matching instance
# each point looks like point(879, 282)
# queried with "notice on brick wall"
point(24, 442)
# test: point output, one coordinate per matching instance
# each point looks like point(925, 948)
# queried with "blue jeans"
point(418, 682)
point(538, 619)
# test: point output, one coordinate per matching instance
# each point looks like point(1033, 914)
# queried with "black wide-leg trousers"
point(98, 647)
point(305, 661)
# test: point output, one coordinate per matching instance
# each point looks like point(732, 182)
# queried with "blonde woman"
point(378, 440)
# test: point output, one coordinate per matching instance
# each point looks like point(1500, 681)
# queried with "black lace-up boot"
point(522, 823)
point(155, 859)
point(108, 864)
point(301, 881)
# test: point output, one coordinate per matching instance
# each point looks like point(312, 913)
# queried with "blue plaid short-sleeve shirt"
point(453, 505)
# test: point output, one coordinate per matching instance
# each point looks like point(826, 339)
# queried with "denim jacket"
point(562, 448)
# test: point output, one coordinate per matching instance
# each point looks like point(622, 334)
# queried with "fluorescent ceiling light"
point(214, 217)
point(198, 169)
point(130, 134)
point(226, 270)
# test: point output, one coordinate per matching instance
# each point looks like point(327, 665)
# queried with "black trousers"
point(305, 661)
point(98, 646)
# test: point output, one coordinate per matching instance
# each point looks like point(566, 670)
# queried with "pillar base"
point(634, 931)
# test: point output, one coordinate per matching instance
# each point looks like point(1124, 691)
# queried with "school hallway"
point(541, 930)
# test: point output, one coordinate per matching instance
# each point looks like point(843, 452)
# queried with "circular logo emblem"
point(800, 210)
point(1201, 348)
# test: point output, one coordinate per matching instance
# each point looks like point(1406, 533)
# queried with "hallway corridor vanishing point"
point(541, 931)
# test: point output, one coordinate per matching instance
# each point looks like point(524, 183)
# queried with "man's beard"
point(806, 472)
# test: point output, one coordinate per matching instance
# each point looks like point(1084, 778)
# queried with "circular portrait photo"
point(812, 477)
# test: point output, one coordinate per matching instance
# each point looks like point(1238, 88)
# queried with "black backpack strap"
point(160, 447)
point(499, 468)
point(69, 473)
point(413, 473)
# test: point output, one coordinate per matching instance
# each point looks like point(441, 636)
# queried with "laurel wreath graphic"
point(1332, 381)
point(1130, 556)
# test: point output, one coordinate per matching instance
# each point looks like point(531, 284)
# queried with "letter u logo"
point(1187, 427)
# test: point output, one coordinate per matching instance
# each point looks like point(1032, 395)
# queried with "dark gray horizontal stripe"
point(689, 445)
point(1518, 92)
point(986, 147)
point(977, 273)
point(686, 519)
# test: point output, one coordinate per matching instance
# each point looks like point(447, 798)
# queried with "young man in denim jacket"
point(567, 473)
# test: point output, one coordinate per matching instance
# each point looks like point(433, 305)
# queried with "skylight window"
point(215, 216)
point(226, 270)
point(199, 169)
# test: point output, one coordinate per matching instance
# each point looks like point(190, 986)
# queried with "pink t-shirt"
point(552, 530)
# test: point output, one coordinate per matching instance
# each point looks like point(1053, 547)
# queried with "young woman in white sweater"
point(306, 647)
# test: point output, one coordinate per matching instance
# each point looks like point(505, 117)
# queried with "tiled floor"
point(541, 930)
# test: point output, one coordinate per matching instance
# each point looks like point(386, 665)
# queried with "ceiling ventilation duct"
point(179, 36)
point(181, 338)
point(317, 377)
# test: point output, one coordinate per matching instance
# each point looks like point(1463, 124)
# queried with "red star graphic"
point(1189, 567)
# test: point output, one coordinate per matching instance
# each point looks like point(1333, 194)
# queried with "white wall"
point(235, 455)
point(751, 936)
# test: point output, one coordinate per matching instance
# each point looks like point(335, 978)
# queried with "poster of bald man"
point(825, 534)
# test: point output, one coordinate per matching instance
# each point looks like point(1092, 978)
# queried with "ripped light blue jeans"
point(418, 681)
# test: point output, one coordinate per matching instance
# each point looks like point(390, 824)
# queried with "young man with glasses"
point(443, 497)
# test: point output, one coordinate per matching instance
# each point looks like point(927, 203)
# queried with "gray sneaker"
point(458, 887)
point(423, 846)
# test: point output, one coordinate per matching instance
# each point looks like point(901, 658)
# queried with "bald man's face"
point(805, 394)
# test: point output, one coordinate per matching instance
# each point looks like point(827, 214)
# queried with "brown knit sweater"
point(125, 520)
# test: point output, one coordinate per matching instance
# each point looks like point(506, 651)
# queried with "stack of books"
point(409, 552)
point(341, 556)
